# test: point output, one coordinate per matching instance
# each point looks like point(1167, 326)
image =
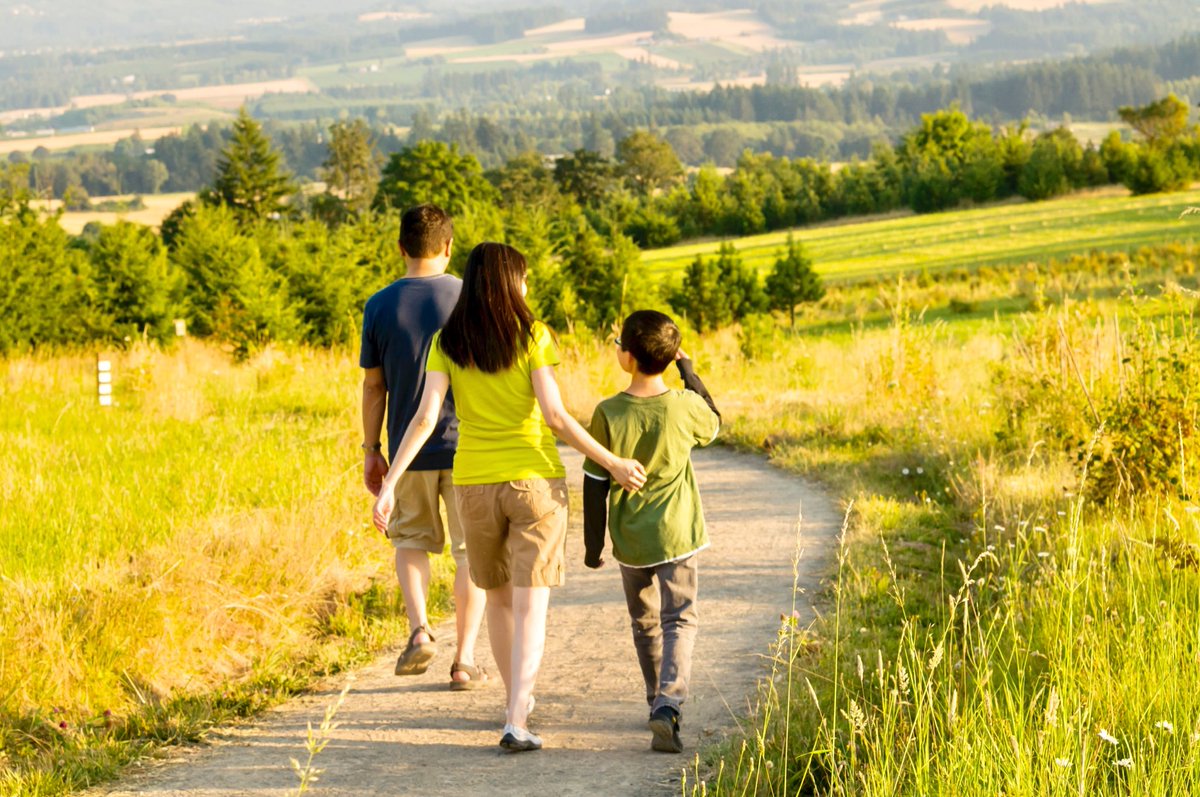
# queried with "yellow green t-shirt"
point(502, 435)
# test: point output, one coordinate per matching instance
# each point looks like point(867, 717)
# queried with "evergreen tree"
point(740, 287)
point(250, 180)
point(134, 281)
point(351, 169)
point(793, 281)
point(701, 296)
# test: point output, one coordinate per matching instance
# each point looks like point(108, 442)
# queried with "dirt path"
point(413, 736)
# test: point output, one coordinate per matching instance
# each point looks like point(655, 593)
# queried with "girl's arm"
point(629, 473)
point(419, 429)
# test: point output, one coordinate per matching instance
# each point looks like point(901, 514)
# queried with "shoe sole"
point(515, 745)
point(665, 740)
point(415, 662)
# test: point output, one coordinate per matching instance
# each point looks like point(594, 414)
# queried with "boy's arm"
point(595, 517)
point(692, 382)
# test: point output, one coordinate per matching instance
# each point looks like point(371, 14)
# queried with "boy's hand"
point(599, 564)
point(630, 474)
point(681, 355)
point(375, 468)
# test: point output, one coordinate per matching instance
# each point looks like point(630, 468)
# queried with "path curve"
point(413, 736)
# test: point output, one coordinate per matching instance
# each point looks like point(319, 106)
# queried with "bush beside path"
point(414, 736)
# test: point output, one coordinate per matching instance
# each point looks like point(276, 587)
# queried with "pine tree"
point(351, 170)
point(250, 180)
point(792, 280)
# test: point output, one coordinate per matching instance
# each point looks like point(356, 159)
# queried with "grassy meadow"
point(193, 554)
point(1016, 607)
point(997, 235)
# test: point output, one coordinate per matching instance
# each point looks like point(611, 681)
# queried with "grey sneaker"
point(664, 724)
point(519, 740)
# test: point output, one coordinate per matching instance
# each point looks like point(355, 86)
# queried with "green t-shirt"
point(502, 435)
point(663, 521)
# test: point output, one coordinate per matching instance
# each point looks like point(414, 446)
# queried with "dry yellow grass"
point(93, 139)
point(226, 96)
point(157, 208)
point(975, 6)
point(740, 28)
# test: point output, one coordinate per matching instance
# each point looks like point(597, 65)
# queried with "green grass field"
point(991, 236)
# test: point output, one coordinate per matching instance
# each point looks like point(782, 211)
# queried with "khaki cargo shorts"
point(417, 522)
point(516, 531)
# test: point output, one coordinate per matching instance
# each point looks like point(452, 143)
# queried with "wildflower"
point(1108, 737)
point(1062, 762)
point(1062, 513)
point(1125, 762)
point(991, 547)
point(1043, 554)
point(920, 471)
point(904, 471)
point(1042, 529)
point(998, 528)
point(63, 725)
point(1164, 725)
point(770, 765)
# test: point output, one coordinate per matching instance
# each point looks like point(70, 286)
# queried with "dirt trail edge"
point(413, 736)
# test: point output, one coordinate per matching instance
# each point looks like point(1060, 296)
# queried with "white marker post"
point(104, 381)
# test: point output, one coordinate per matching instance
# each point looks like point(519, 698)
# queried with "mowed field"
point(990, 236)
point(158, 206)
point(96, 138)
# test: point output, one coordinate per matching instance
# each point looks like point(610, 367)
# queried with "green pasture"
point(989, 236)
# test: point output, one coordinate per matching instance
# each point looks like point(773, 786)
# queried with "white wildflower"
point(1042, 529)
point(1043, 554)
point(1164, 725)
point(920, 471)
point(1062, 762)
point(1108, 737)
point(904, 471)
point(1124, 762)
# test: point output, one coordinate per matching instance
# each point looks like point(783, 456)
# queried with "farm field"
point(158, 206)
point(991, 236)
point(96, 138)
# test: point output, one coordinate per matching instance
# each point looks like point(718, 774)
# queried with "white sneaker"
point(519, 740)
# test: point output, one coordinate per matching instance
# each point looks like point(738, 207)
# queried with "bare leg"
point(500, 630)
point(529, 642)
point(412, 570)
point(469, 604)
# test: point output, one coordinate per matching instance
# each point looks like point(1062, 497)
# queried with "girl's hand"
point(630, 474)
point(383, 509)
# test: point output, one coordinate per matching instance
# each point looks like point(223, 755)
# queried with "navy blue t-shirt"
point(398, 325)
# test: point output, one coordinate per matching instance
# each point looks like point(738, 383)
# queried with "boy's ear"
point(403, 253)
point(449, 246)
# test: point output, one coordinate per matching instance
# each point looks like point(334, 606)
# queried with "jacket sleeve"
point(692, 382)
point(595, 517)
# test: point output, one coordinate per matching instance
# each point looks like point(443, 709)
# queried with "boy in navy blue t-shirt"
point(398, 325)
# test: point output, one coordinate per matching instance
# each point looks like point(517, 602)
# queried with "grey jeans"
point(664, 627)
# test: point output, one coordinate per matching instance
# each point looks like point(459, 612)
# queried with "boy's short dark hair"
point(425, 230)
point(652, 338)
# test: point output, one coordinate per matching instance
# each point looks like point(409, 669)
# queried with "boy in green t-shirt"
point(656, 531)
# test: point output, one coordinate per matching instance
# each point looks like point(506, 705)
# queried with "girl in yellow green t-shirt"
point(508, 478)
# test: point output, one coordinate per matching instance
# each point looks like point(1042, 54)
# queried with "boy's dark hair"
point(652, 338)
point(425, 230)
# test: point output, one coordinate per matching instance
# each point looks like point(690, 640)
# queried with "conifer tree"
point(250, 180)
point(792, 280)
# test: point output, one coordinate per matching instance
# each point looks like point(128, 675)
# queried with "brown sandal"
point(417, 655)
point(477, 676)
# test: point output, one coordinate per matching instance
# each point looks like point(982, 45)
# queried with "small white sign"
point(180, 327)
point(106, 390)
point(103, 365)
point(104, 377)
point(106, 401)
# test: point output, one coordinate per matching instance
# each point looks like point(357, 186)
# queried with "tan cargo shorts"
point(516, 531)
point(417, 522)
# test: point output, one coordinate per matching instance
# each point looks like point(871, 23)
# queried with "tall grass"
point(1016, 607)
point(192, 554)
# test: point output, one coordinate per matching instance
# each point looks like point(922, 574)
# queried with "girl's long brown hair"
point(491, 322)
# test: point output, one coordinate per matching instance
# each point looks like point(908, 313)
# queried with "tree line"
point(254, 259)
